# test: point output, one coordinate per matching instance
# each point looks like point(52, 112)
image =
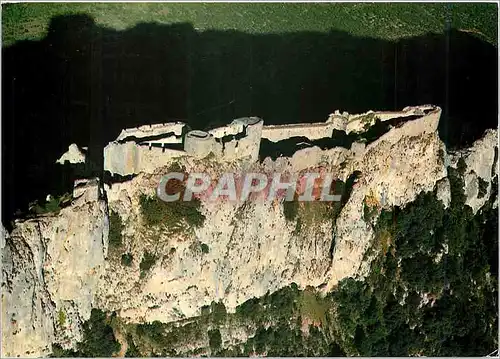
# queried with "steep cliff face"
point(60, 264)
point(51, 268)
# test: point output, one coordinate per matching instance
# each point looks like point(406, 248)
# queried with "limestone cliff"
point(60, 264)
point(51, 269)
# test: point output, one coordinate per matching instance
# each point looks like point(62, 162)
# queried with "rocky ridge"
point(57, 267)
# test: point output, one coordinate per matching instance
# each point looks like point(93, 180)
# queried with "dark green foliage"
point(148, 260)
point(495, 163)
point(284, 340)
point(483, 188)
point(214, 340)
point(277, 307)
point(171, 214)
point(374, 318)
point(368, 212)
point(290, 209)
point(59, 352)
point(127, 259)
point(132, 350)
point(157, 333)
point(154, 331)
point(115, 230)
point(54, 205)
point(204, 248)
point(205, 310)
point(218, 311)
point(99, 340)
point(461, 166)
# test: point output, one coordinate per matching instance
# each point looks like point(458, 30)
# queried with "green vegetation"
point(61, 317)
point(98, 339)
point(382, 315)
point(132, 350)
point(218, 312)
point(214, 340)
point(204, 248)
point(368, 212)
point(483, 188)
point(312, 306)
point(461, 166)
point(148, 260)
point(290, 210)
point(115, 229)
point(172, 215)
point(308, 214)
point(387, 21)
point(53, 205)
point(127, 259)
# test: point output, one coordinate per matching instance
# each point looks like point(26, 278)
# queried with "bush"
point(61, 318)
point(214, 340)
point(115, 230)
point(368, 212)
point(483, 188)
point(127, 259)
point(218, 311)
point(53, 205)
point(132, 350)
point(98, 337)
point(204, 248)
point(148, 260)
point(290, 209)
point(155, 331)
point(461, 166)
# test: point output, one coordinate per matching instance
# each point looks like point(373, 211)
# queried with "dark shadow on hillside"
point(83, 83)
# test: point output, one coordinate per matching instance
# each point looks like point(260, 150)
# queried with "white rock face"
point(480, 167)
point(443, 192)
point(73, 155)
point(50, 265)
point(253, 249)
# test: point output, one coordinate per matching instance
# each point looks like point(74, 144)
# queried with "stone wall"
point(241, 138)
point(200, 144)
point(152, 130)
point(312, 131)
point(131, 158)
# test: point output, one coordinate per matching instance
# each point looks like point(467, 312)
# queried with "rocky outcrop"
point(73, 155)
point(57, 268)
point(252, 247)
point(481, 161)
point(51, 268)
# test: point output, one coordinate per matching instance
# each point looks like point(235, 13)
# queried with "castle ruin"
point(149, 147)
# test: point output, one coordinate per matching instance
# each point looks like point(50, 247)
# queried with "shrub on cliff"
point(127, 259)
point(171, 214)
point(115, 229)
point(214, 340)
point(148, 260)
point(290, 209)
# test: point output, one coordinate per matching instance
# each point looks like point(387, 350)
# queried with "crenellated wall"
point(242, 137)
point(130, 158)
point(152, 130)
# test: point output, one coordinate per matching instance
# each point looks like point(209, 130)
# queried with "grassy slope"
point(388, 21)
